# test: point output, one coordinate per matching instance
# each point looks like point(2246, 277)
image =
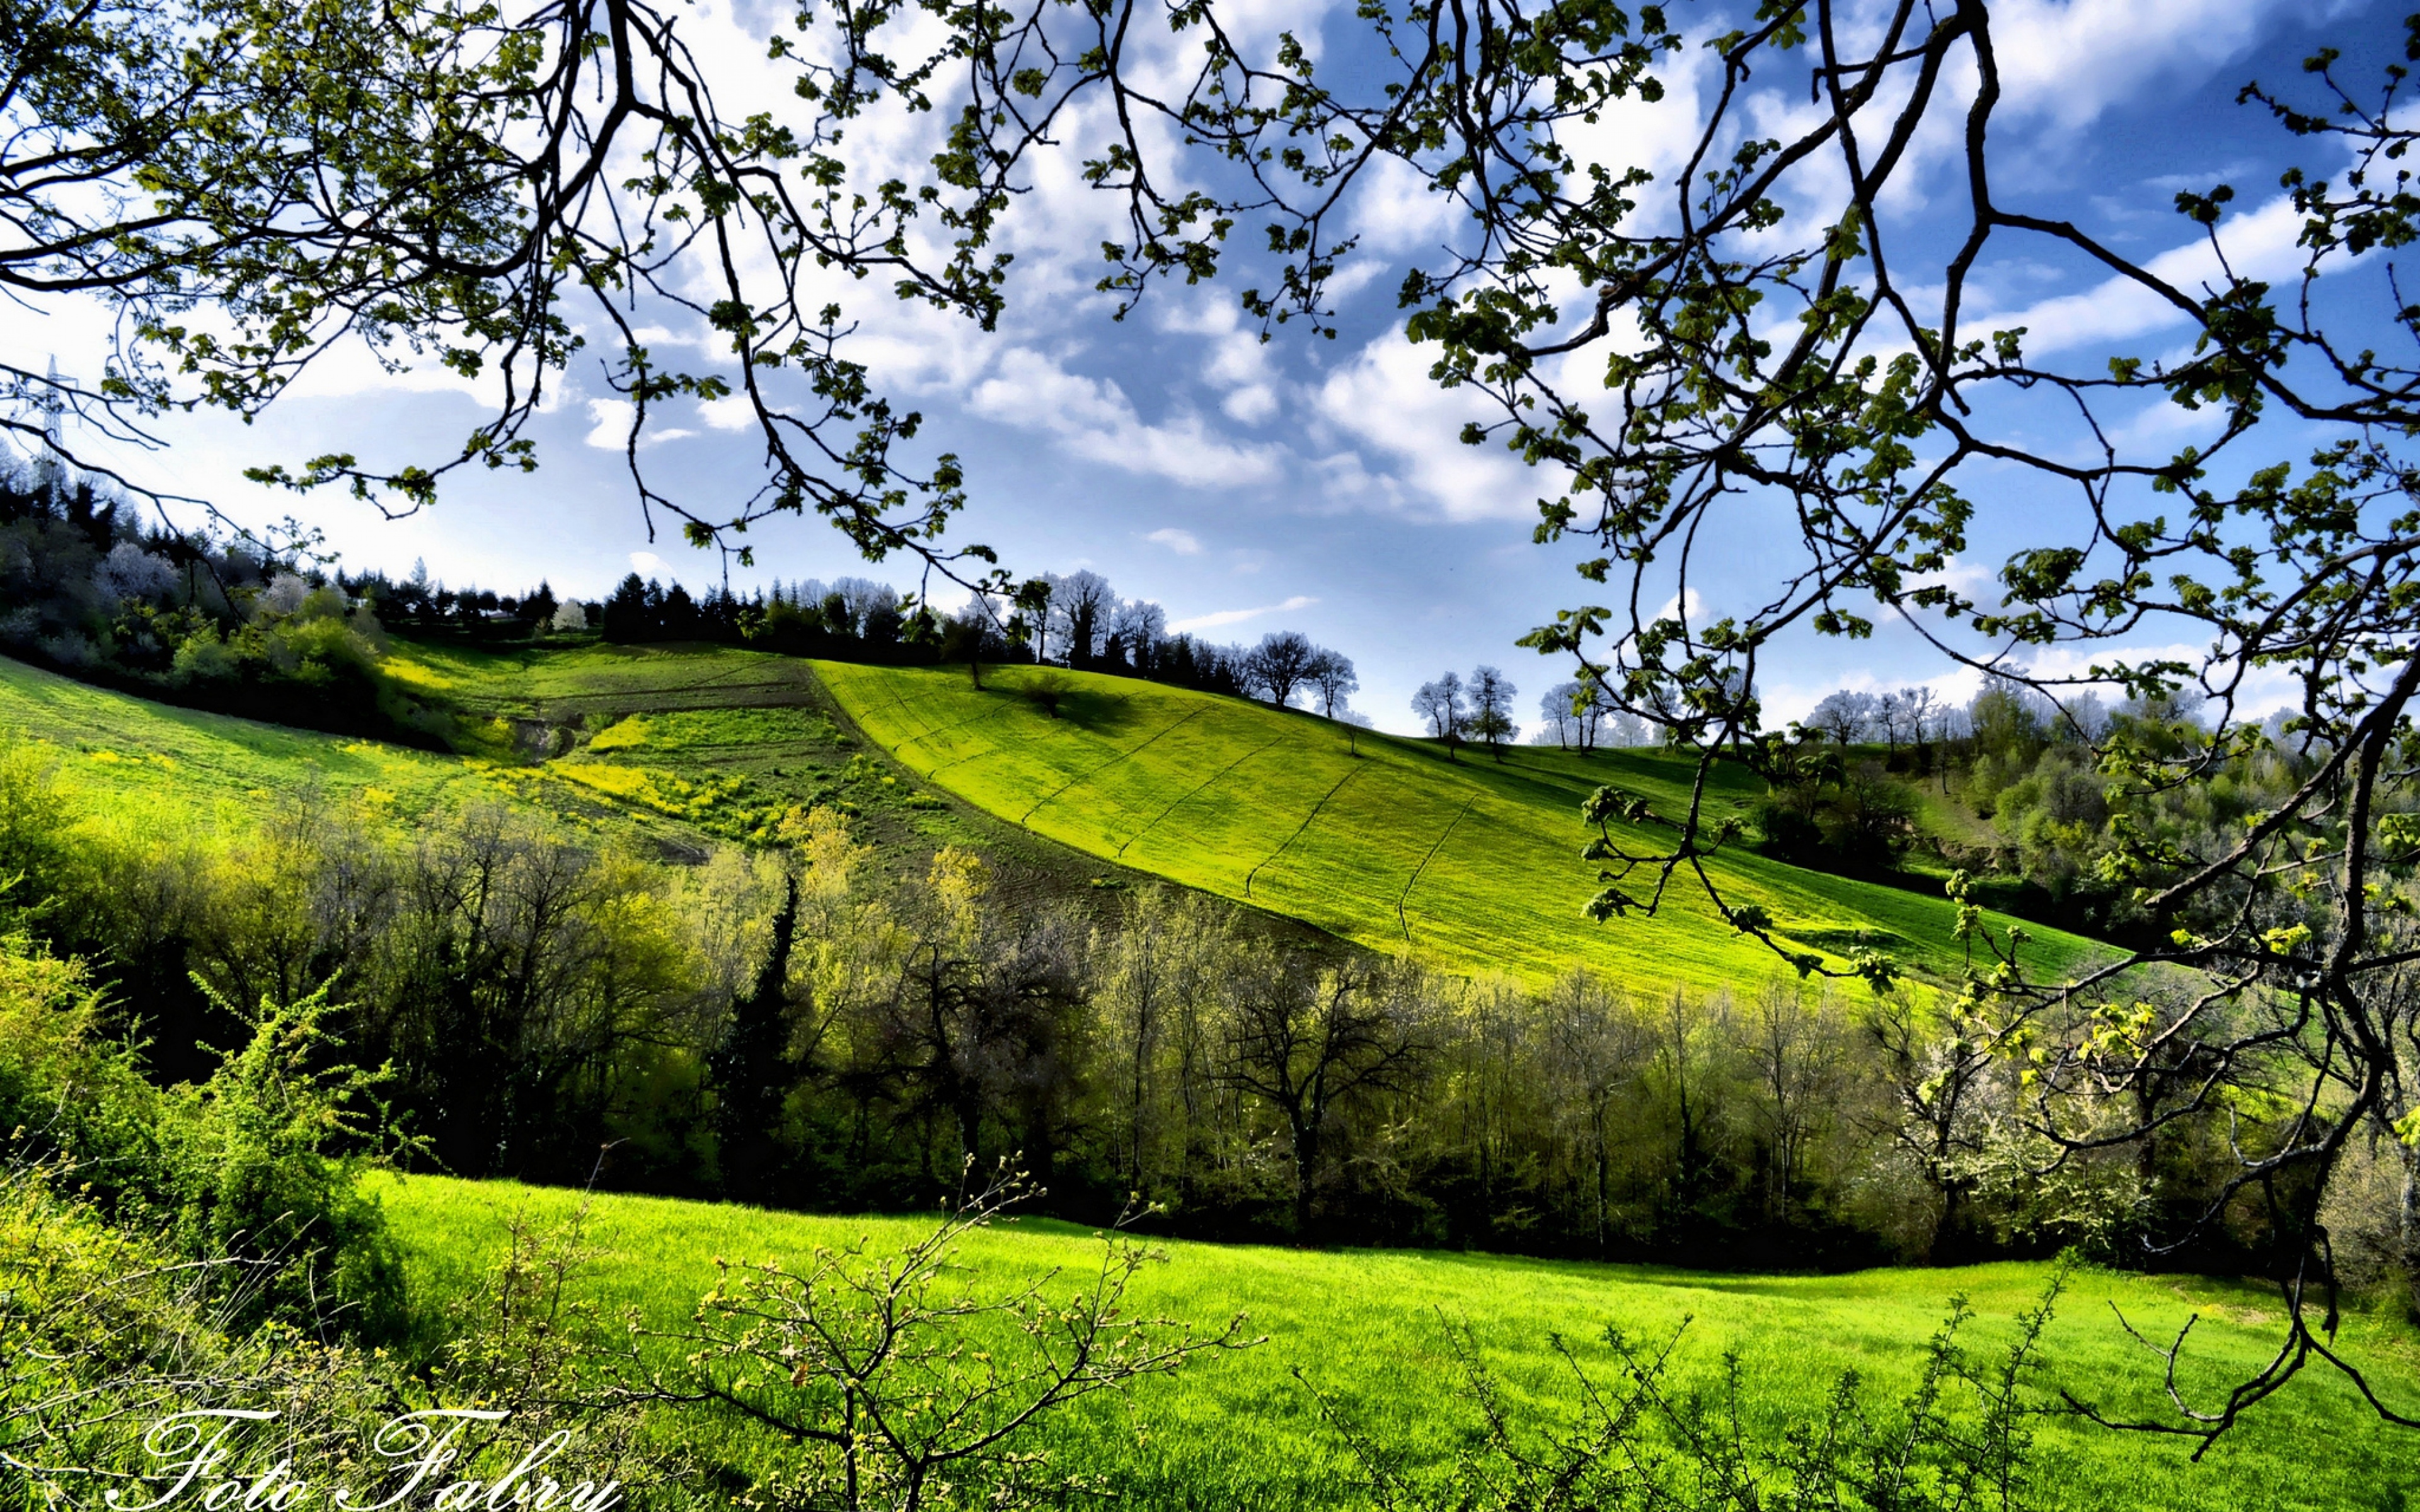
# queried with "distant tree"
point(569, 615)
point(839, 617)
point(1491, 708)
point(1566, 708)
point(1901, 717)
point(2010, 720)
point(537, 610)
point(1441, 704)
point(627, 615)
point(1332, 680)
point(1081, 605)
point(883, 622)
point(1137, 629)
point(965, 639)
point(1279, 665)
point(1846, 716)
point(680, 617)
point(1619, 727)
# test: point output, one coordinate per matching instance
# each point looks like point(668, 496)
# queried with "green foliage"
point(259, 1164)
point(1627, 1439)
point(264, 1161)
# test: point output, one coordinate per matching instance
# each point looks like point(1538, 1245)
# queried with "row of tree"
point(1480, 709)
point(242, 625)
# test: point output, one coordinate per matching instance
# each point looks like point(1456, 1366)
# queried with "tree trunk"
point(1306, 1168)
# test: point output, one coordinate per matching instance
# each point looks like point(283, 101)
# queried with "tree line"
point(804, 1026)
point(1081, 623)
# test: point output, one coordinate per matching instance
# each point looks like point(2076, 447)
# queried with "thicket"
point(2030, 815)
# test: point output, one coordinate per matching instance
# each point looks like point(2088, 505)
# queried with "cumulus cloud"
point(1183, 543)
point(2069, 60)
point(1093, 418)
point(1237, 616)
point(611, 431)
point(1387, 398)
point(2259, 245)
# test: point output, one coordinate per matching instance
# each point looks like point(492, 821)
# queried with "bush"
point(260, 1163)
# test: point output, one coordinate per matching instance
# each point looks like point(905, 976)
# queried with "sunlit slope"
point(1474, 864)
point(156, 762)
point(648, 781)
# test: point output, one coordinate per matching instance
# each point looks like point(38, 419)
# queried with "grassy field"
point(672, 750)
point(1380, 840)
point(1367, 1328)
point(153, 762)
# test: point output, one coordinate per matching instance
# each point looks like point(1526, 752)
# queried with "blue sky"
point(1304, 483)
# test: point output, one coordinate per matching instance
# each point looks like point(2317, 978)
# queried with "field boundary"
point(1197, 792)
point(1403, 897)
point(1300, 828)
point(1096, 771)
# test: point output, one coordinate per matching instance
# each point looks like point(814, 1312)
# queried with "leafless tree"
point(890, 1382)
point(1284, 662)
point(1309, 1046)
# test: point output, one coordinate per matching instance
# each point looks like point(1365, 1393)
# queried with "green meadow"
point(666, 748)
point(1368, 1329)
point(154, 762)
point(1385, 841)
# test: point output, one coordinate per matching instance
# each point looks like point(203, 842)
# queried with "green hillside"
point(1471, 863)
point(1381, 840)
point(1367, 1328)
point(156, 764)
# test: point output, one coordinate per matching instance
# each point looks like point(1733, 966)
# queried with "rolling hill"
point(1375, 840)
point(1381, 840)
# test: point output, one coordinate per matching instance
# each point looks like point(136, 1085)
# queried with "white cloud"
point(1183, 543)
point(647, 561)
point(611, 430)
point(1251, 405)
point(1395, 212)
point(2069, 60)
point(2260, 244)
point(1093, 418)
point(1237, 616)
point(1387, 398)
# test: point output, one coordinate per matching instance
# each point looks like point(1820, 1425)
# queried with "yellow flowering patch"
point(647, 788)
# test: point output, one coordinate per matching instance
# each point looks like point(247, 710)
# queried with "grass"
point(1367, 1328)
point(153, 762)
point(1384, 842)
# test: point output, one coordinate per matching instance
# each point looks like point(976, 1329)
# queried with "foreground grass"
point(1381, 840)
point(1367, 1328)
